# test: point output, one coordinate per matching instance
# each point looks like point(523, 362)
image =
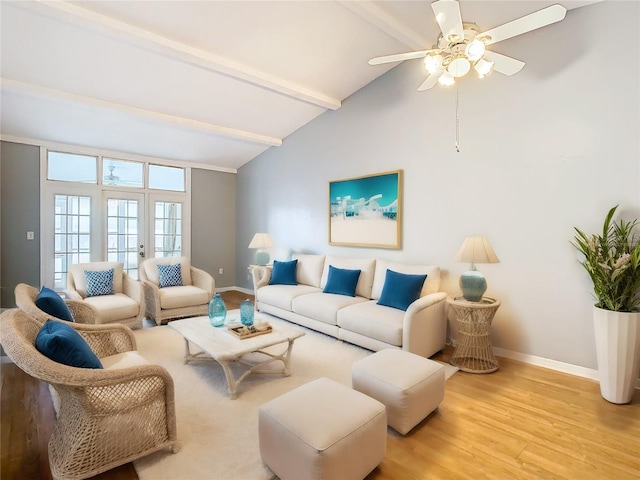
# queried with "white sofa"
point(421, 329)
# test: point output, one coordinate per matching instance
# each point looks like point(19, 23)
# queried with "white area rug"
point(218, 437)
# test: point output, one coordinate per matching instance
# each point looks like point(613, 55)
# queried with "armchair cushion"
point(62, 344)
point(170, 276)
point(185, 296)
point(76, 279)
point(50, 302)
point(113, 308)
point(99, 282)
point(401, 290)
point(284, 273)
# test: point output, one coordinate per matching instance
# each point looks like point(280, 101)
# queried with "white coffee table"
point(218, 344)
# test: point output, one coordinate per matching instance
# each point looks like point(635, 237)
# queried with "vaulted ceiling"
point(215, 83)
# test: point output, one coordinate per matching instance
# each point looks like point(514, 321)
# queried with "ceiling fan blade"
point(447, 14)
point(431, 80)
point(525, 24)
point(503, 64)
point(399, 57)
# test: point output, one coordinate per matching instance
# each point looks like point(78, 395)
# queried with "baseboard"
point(248, 291)
point(568, 368)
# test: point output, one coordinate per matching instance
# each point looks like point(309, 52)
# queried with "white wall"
point(552, 147)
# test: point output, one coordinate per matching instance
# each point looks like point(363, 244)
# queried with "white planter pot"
point(618, 353)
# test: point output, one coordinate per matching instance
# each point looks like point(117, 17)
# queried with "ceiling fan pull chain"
point(457, 123)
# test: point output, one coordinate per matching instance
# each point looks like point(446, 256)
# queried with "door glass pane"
point(122, 173)
point(72, 235)
point(168, 231)
point(122, 223)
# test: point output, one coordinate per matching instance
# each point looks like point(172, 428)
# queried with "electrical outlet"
point(220, 271)
point(30, 236)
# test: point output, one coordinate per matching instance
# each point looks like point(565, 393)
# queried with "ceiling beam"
point(379, 18)
point(28, 88)
point(179, 51)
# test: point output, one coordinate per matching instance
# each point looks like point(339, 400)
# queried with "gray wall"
point(550, 148)
point(19, 213)
point(213, 224)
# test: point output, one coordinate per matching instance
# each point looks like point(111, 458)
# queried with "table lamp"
point(261, 241)
point(475, 250)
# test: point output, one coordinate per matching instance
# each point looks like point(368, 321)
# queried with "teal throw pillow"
point(342, 281)
point(170, 275)
point(99, 283)
point(401, 289)
point(50, 302)
point(284, 273)
point(61, 343)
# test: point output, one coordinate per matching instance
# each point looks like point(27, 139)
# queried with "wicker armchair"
point(125, 306)
point(107, 417)
point(26, 296)
point(170, 303)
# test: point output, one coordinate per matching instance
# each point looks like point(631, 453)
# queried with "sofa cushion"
point(61, 343)
point(309, 268)
point(113, 308)
point(323, 306)
point(185, 296)
point(374, 321)
point(431, 285)
point(150, 267)
point(365, 265)
point(281, 296)
point(284, 273)
point(170, 276)
point(80, 283)
point(50, 302)
point(99, 282)
point(342, 281)
point(401, 289)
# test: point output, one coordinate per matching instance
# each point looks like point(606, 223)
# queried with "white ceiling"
point(210, 82)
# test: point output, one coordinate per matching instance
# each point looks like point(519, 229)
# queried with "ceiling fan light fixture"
point(483, 67)
point(459, 67)
point(474, 50)
point(432, 62)
point(446, 79)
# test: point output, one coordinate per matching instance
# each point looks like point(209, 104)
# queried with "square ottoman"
point(410, 386)
point(322, 430)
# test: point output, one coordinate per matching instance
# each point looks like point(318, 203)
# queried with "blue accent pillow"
point(50, 302)
point(61, 343)
point(170, 275)
point(99, 282)
point(401, 289)
point(342, 281)
point(284, 273)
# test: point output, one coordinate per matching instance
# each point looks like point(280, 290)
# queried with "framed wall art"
point(366, 211)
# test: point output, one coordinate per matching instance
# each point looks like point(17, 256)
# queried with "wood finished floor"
point(521, 422)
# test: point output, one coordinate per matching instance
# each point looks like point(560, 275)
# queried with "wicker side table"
point(473, 353)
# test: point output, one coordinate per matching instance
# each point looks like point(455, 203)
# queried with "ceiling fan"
point(111, 179)
point(462, 46)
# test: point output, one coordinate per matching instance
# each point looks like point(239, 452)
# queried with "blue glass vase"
point(246, 313)
point(217, 311)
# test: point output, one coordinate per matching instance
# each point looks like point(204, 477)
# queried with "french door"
point(124, 230)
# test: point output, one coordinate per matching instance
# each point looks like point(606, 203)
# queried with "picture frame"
point(366, 211)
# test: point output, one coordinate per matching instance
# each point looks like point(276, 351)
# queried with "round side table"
point(473, 353)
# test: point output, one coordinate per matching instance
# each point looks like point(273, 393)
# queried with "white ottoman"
point(409, 385)
point(322, 430)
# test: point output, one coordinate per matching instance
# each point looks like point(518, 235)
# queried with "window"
point(72, 235)
point(69, 167)
point(166, 178)
point(122, 173)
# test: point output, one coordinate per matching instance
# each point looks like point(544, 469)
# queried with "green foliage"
point(612, 260)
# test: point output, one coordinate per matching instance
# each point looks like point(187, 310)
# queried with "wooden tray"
point(239, 331)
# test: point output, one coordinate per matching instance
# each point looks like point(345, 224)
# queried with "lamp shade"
point(261, 240)
point(476, 250)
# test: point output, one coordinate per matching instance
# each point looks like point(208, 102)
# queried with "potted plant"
point(612, 260)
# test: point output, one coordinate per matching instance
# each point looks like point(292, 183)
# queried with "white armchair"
point(125, 305)
point(190, 299)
